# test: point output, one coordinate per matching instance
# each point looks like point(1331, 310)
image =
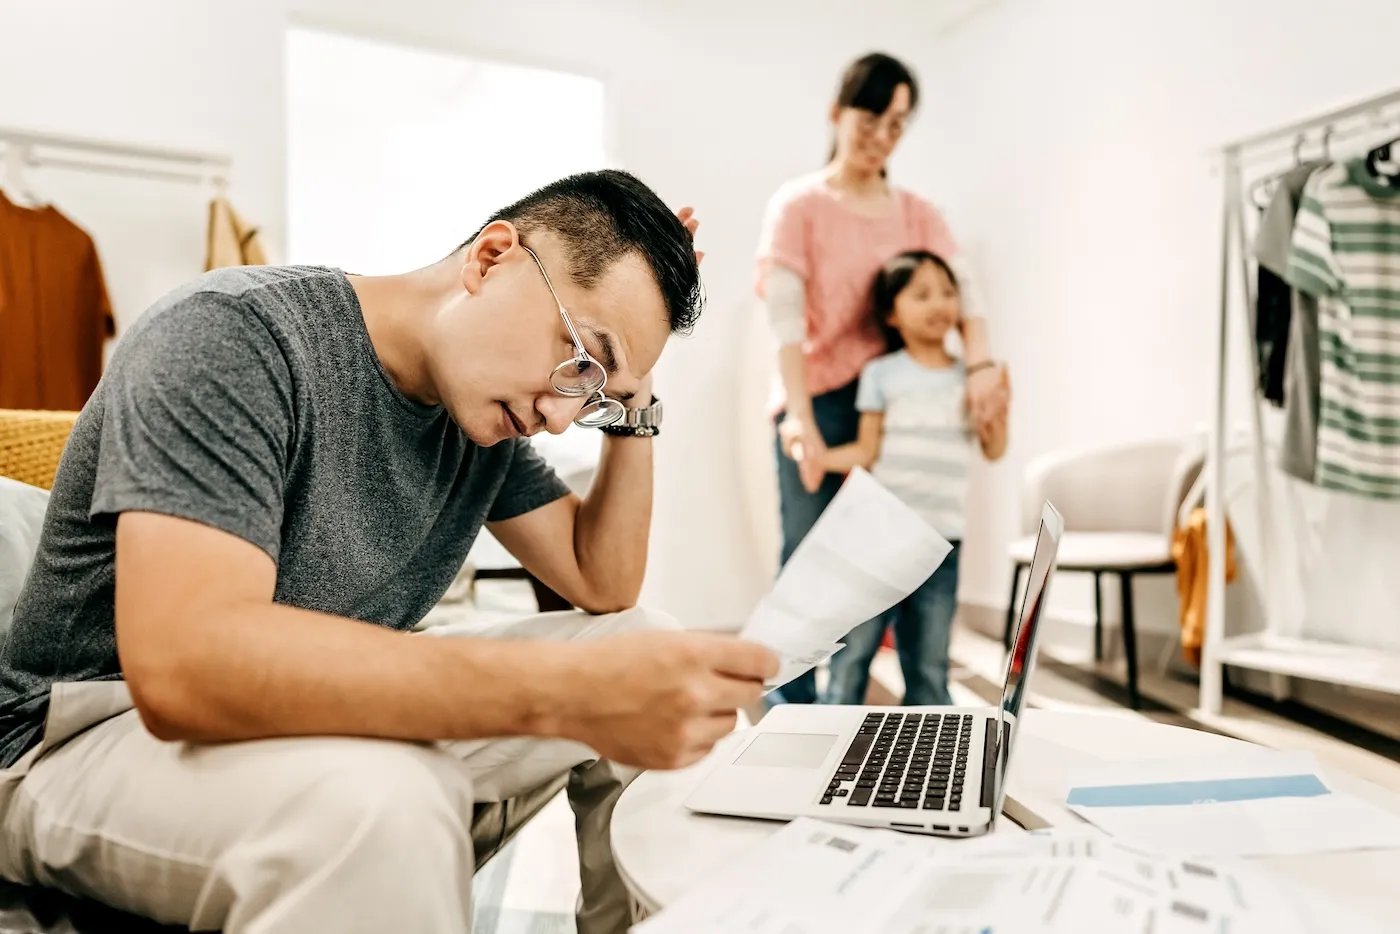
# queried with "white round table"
point(662, 849)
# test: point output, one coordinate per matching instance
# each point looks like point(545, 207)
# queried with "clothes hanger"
point(1383, 162)
point(1261, 193)
point(18, 158)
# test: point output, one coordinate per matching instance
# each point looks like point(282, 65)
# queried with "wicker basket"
point(31, 444)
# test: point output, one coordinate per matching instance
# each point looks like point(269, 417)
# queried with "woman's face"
point(865, 140)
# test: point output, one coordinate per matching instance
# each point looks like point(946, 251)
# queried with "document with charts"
point(816, 878)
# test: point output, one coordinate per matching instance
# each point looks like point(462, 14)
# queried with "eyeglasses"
point(868, 123)
point(582, 375)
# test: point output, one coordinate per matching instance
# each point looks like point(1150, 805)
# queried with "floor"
point(531, 887)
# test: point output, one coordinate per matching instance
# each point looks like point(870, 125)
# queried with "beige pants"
point(299, 835)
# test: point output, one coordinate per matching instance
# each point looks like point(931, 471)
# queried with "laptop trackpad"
point(787, 750)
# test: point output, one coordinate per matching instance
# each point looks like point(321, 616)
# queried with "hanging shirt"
point(1302, 389)
point(232, 241)
point(1193, 579)
point(1274, 297)
point(1346, 252)
point(54, 312)
point(1287, 320)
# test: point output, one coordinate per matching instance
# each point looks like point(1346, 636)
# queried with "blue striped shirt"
point(926, 448)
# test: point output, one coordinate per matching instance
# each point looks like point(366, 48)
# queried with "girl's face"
point(928, 307)
point(865, 140)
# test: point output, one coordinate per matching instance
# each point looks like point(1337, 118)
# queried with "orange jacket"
point(1192, 579)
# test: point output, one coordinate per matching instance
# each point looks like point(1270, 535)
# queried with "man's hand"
point(661, 700)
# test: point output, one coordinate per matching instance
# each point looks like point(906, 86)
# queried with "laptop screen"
point(1023, 640)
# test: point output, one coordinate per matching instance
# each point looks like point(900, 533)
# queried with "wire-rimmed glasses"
point(581, 375)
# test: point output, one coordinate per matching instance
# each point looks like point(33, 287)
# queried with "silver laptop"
point(931, 770)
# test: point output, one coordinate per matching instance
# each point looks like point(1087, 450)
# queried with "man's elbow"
point(603, 604)
point(160, 710)
point(609, 596)
point(162, 691)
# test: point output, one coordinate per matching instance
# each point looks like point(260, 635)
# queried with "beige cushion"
point(1107, 550)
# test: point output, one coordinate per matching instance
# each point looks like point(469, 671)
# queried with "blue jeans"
point(836, 416)
point(923, 626)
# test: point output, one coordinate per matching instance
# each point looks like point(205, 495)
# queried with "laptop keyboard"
point(904, 760)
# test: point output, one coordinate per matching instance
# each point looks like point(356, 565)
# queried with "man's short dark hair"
point(602, 217)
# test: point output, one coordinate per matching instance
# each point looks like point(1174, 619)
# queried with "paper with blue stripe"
point(1160, 794)
point(1246, 801)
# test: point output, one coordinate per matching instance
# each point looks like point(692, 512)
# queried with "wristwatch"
point(638, 423)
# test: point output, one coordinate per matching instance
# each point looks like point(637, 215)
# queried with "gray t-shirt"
point(251, 400)
point(1302, 378)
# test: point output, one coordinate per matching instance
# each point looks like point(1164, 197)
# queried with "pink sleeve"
point(784, 238)
point(934, 234)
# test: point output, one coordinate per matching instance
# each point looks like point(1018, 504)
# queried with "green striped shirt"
point(1346, 251)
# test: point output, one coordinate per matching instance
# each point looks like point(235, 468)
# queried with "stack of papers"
point(867, 552)
point(813, 877)
point(1258, 802)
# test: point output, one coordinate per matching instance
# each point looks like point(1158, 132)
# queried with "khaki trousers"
point(298, 835)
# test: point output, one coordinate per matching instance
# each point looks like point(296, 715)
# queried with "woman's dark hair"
point(869, 84)
point(893, 278)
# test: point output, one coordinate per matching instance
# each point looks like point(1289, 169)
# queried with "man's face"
point(493, 349)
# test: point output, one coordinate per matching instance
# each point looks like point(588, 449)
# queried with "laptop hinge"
point(989, 765)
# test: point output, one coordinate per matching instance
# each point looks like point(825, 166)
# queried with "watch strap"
point(638, 423)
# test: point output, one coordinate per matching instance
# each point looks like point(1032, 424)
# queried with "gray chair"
point(1120, 505)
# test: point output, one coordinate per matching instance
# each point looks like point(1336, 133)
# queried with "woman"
point(825, 236)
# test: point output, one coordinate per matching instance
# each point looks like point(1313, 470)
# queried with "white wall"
point(194, 74)
point(1069, 143)
point(380, 135)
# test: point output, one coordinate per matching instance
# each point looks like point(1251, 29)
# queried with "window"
point(397, 154)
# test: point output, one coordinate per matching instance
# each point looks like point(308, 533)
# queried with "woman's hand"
point(988, 395)
point(804, 444)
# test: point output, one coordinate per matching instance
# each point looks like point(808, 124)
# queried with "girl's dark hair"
point(869, 84)
point(894, 278)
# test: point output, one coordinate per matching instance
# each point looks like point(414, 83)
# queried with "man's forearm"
point(614, 523)
point(256, 670)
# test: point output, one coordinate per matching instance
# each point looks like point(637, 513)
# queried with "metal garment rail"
point(25, 148)
point(1271, 651)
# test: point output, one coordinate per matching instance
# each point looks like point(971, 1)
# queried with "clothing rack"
point(1272, 651)
point(25, 149)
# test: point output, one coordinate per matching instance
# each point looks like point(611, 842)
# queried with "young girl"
point(916, 436)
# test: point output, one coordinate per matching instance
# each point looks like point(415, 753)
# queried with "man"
point(280, 473)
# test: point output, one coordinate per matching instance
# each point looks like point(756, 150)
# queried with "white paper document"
point(1255, 803)
point(867, 552)
point(818, 878)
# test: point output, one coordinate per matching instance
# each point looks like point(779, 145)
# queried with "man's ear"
point(495, 240)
